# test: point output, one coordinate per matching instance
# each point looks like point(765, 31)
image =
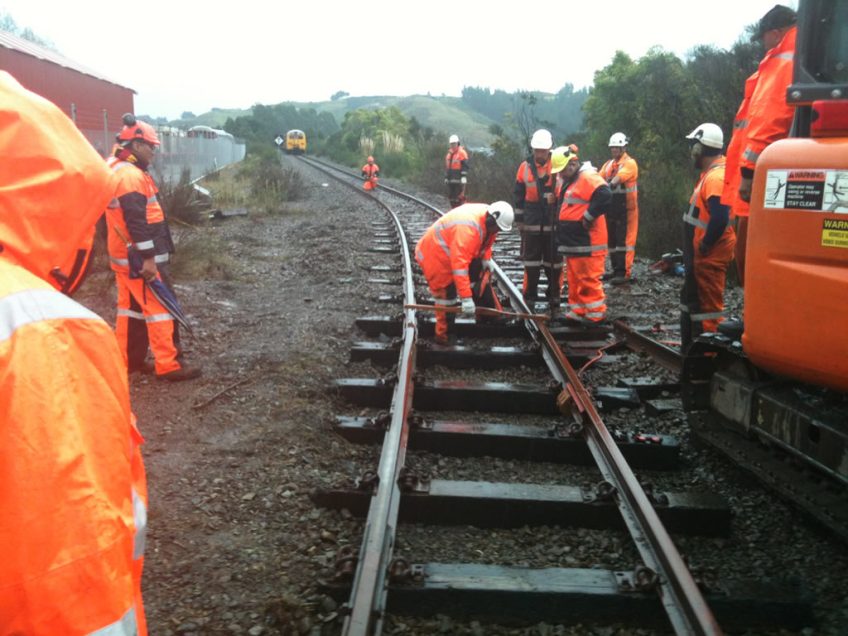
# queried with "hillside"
point(442, 114)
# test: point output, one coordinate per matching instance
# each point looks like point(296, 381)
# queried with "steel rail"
point(685, 606)
point(369, 592)
point(665, 356)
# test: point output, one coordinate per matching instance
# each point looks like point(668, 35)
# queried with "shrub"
point(181, 201)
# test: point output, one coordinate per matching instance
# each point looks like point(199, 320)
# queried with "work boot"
point(145, 368)
point(185, 372)
point(619, 280)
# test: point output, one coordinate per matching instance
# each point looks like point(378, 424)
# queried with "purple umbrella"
point(159, 289)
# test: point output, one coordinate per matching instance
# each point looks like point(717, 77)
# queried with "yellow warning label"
point(835, 233)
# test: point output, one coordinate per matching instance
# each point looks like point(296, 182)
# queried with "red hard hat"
point(139, 130)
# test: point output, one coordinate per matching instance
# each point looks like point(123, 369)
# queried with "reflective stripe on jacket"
point(572, 238)
point(456, 164)
point(769, 116)
point(732, 176)
point(451, 243)
point(71, 477)
point(710, 184)
point(135, 215)
point(529, 200)
point(625, 193)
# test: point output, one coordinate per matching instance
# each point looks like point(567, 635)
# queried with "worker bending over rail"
point(455, 252)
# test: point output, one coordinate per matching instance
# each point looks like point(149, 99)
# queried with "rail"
point(685, 606)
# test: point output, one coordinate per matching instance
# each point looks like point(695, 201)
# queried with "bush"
point(181, 201)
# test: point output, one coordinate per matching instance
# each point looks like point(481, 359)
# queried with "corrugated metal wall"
point(95, 105)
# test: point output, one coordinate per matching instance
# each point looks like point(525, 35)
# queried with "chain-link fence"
point(201, 150)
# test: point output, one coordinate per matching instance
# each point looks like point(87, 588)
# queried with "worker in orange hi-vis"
point(456, 171)
point(533, 195)
point(456, 250)
point(370, 174)
point(137, 229)
point(763, 117)
point(72, 482)
point(584, 200)
point(708, 238)
point(622, 174)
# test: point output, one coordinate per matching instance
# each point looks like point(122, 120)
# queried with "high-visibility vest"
point(370, 170)
point(451, 243)
point(530, 199)
point(769, 116)
point(456, 164)
point(572, 237)
point(732, 176)
point(710, 184)
point(71, 479)
point(626, 191)
point(147, 230)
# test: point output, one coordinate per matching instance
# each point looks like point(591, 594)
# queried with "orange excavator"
point(784, 383)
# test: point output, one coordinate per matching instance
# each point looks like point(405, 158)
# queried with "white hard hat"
point(708, 134)
point(454, 139)
point(502, 213)
point(618, 140)
point(541, 140)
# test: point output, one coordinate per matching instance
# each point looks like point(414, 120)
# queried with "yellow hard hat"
point(561, 156)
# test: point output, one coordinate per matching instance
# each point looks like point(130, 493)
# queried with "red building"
point(94, 102)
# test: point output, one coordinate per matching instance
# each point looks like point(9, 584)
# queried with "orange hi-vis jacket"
point(572, 238)
point(456, 164)
point(135, 215)
point(370, 170)
point(451, 243)
point(72, 482)
point(527, 196)
point(732, 176)
point(769, 116)
point(710, 184)
point(626, 191)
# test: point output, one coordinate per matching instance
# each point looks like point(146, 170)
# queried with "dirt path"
point(234, 544)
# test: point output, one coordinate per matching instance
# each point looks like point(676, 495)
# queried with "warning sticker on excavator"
point(807, 189)
point(835, 233)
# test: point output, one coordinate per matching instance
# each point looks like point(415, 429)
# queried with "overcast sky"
point(184, 55)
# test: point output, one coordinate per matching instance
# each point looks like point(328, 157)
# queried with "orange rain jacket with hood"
point(767, 118)
point(71, 479)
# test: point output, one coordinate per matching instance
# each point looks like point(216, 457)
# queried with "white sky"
point(184, 55)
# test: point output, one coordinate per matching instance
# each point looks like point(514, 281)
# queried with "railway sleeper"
point(464, 357)
point(484, 397)
point(556, 443)
point(512, 505)
point(521, 596)
point(374, 326)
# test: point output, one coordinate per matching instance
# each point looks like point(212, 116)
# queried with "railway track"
point(440, 400)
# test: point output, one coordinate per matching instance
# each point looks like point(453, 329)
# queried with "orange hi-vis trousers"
point(161, 331)
point(586, 298)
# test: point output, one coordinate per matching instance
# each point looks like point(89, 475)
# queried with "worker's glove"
point(463, 180)
point(468, 307)
point(487, 264)
point(447, 180)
